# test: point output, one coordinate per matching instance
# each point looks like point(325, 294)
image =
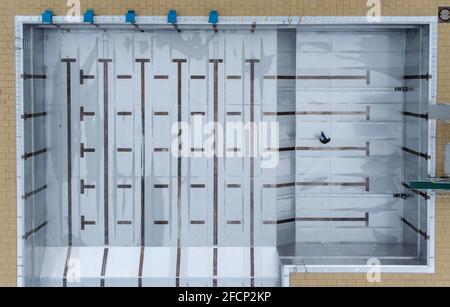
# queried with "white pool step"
point(88, 267)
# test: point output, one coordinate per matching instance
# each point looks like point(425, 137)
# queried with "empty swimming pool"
point(230, 155)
